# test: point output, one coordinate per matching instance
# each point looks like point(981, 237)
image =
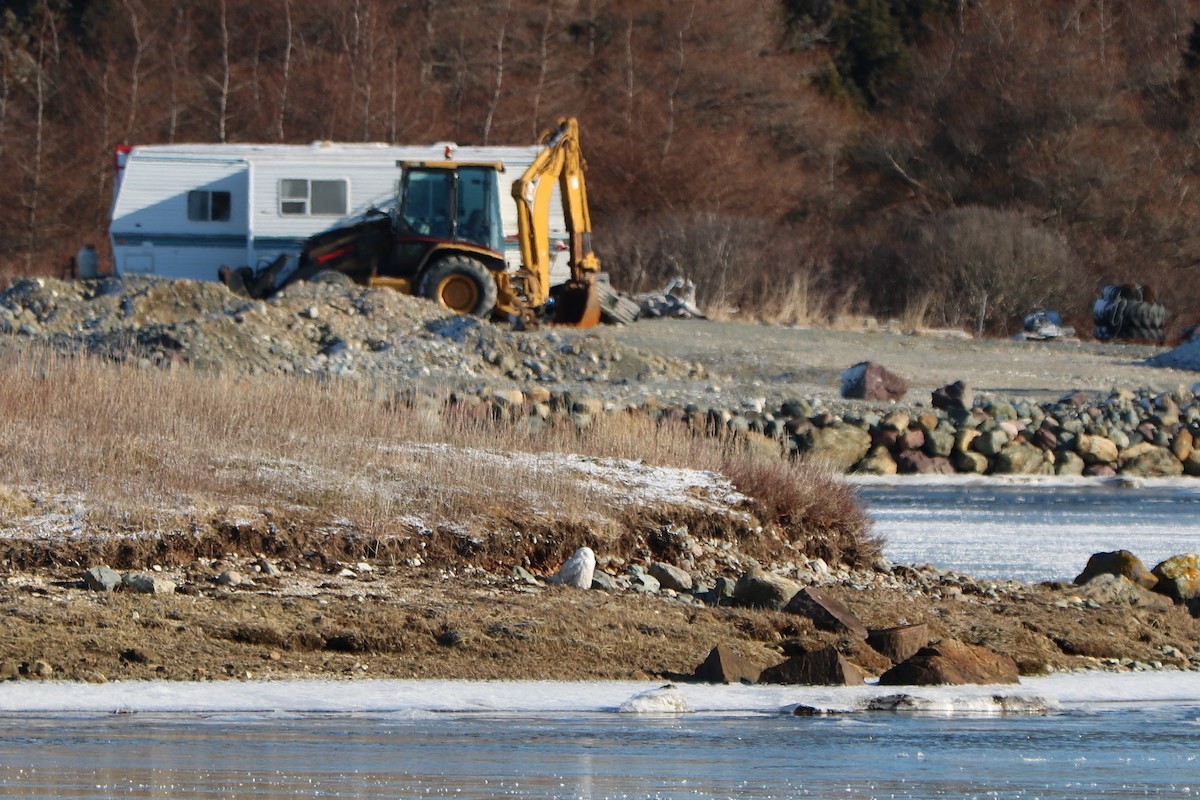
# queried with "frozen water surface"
point(1031, 530)
point(1101, 735)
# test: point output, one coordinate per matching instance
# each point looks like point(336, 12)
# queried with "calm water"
point(1119, 753)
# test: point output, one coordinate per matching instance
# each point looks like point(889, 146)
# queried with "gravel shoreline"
point(319, 616)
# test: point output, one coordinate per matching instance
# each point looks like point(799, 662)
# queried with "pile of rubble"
point(316, 329)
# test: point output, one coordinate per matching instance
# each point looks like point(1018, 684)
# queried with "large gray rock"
point(671, 577)
point(102, 579)
point(1119, 590)
point(870, 381)
point(149, 583)
point(839, 446)
point(1117, 562)
point(1146, 460)
point(951, 662)
point(1021, 458)
point(826, 612)
point(759, 589)
point(824, 667)
point(577, 570)
point(725, 666)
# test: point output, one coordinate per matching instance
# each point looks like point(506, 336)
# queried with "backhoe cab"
point(444, 240)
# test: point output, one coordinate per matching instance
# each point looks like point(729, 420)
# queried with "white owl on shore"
point(577, 570)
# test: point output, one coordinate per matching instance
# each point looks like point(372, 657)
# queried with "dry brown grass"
point(810, 507)
point(177, 452)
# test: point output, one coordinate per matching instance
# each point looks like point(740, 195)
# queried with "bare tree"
point(498, 75)
point(285, 69)
point(223, 97)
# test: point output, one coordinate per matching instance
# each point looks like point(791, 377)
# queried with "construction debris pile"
point(316, 329)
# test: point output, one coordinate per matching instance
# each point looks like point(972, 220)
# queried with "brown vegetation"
point(754, 146)
point(175, 465)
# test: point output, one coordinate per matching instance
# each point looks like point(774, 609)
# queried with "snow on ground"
point(1086, 691)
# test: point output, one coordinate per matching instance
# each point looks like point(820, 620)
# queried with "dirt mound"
point(319, 329)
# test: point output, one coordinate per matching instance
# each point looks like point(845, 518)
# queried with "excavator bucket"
point(577, 305)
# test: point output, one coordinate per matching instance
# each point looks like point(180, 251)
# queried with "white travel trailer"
point(186, 210)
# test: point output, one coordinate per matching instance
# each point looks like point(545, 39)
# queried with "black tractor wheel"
point(460, 284)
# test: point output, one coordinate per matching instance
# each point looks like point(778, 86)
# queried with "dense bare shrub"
point(813, 509)
point(980, 268)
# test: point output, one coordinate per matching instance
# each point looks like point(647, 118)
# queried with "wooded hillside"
point(959, 161)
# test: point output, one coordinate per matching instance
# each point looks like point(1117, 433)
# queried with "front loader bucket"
point(577, 305)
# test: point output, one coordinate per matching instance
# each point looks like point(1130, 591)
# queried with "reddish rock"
point(826, 613)
point(1117, 562)
point(900, 642)
point(824, 667)
point(725, 666)
point(870, 381)
point(912, 439)
point(917, 462)
point(951, 662)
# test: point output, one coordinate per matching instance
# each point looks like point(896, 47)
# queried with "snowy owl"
point(577, 570)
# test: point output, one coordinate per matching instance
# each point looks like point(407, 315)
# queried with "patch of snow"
point(1090, 691)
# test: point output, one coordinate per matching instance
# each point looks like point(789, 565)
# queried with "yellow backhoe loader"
point(444, 241)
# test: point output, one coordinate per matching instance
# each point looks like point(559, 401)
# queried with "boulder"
point(1179, 577)
point(971, 462)
point(900, 642)
point(725, 666)
point(102, 579)
point(878, 462)
point(671, 577)
point(1147, 460)
point(939, 443)
point(149, 583)
point(957, 395)
point(825, 612)
point(759, 589)
point(824, 667)
point(1096, 449)
point(870, 381)
point(917, 462)
point(951, 662)
point(1119, 590)
point(990, 442)
point(840, 446)
point(577, 570)
point(1117, 562)
point(1020, 458)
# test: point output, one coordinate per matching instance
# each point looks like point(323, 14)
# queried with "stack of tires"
point(1129, 311)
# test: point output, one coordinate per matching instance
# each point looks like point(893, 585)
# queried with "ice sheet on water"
point(1030, 529)
point(1089, 691)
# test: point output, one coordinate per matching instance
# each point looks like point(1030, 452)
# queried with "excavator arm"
point(560, 163)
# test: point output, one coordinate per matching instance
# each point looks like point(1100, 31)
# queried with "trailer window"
point(304, 197)
point(206, 206)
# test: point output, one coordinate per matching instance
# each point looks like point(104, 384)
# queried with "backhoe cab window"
point(427, 202)
point(478, 216)
point(429, 196)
